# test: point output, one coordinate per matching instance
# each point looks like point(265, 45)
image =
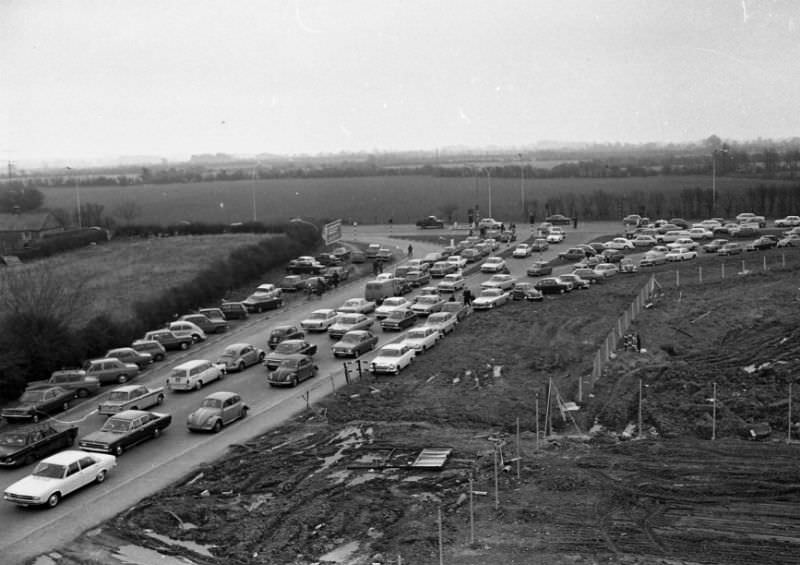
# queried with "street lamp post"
point(77, 198)
point(522, 187)
point(489, 181)
point(713, 182)
point(253, 193)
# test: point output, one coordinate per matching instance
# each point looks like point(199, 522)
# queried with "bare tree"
point(127, 211)
point(37, 289)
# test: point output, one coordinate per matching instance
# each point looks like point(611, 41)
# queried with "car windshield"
point(417, 334)
point(211, 403)
point(48, 470)
point(438, 317)
point(319, 315)
point(390, 353)
point(290, 347)
point(290, 363)
point(427, 300)
point(491, 292)
point(352, 303)
point(116, 425)
point(117, 396)
point(12, 440)
point(393, 301)
point(398, 314)
point(351, 338)
point(348, 320)
point(32, 396)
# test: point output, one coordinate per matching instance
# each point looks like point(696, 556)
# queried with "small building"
point(20, 229)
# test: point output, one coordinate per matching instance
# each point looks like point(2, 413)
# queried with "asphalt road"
point(147, 468)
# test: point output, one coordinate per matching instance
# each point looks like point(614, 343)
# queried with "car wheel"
point(184, 345)
point(101, 476)
point(195, 338)
point(240, 367)
point(83, 393)
point(244, 412)
point(65, 406)
point(294, 381)
point(35, 418)
point(29, 459)
point(199, 385)
point(53, 499)
point(156, 432)
point(259, 309)
point(261, 357)
point(217, 426)
point(160, 399)
point(119, 450)
point(122, 379)
point(159, 357)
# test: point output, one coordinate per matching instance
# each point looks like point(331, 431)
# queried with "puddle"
point(366, 477)
point(413, 478)
point(136, 555)
point(190, 545)
point(341, 554)
point(338, 477)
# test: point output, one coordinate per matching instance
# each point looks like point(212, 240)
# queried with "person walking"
point(410, 250)
point(575, 222)
point(467, 297)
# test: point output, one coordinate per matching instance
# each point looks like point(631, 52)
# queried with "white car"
point(492, 243)
point(490, 298)
point(349, 322)
point(493, 265)
point(503, 282)
point(644, 241)
point(700, 233)
point(488, 223)
point(451, 283)
point(391, 304)
point(319, 320)
point(681, 254)
point(618, 243)
point(392, 358)
point(457, 260)
point(357, 305)
point(194, 374)
point(422, 338)
point(445, 322)
point(606, 270)
point(787, 222)
point(522, 251)
point(686, 242)
point(57, 476)
point(555, 235)
point(187, 329)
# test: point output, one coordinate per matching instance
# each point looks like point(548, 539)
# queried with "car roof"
point(102, 359)
point(129, 414)
point(192, 363)
point(237, 346)
point(221, 395)
point(127, 388)
point(66, 457)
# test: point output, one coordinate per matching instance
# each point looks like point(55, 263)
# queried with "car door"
point(89, 469)
point(229, 410)
point(73, 479)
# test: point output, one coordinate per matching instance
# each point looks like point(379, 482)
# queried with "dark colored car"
point(539, 245)
point(764, 242)
point(125, 430)
point(552, 285)
point(538, 269)
point(131, 355)
point(328, 260)
point(730, 248)
point(431, 222)
point(558, 220)
point(681, 223)
point(355, 343)
point(234, 310)
point(457, 308)
point(572, 254)
point(588, 274)
point(260, 301)
point(283, 332)
point(292, 371)
point(525, 291)
point(288, 348)
point(34, 404)
point(206, 324)
point(71, 379)
point(714, 245)
point(151, 346)
point(26, 445)
point(612, 255)
point(169, 339)
point(418, 278)
point(399, 320)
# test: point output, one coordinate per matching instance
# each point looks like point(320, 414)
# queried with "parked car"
point(452, 283)
point(539, 244)
point(354, 343)
point(156, 350)
point(493, 265)
point(240, 356)
point(131, 355)
point(195, 374)
point(168, 339)
point(215, 411)
point(501, 281)
point(588, 274)
point(341, 252)
point(328, 260)
point(573, 254)
point(792, 240)
point(538, 269)
point(525, 291)
point(680, 222)
point(521, 251)
point(606, 269)
point(763, 242)
point(357, 306)
point(441, 268)
point(36, 403)
point(425, 304)
point(131, 397)
point(489, 223)
point(455, 307)
point(618, 243)
point(184, 329)
point(348, 322)
point(553, 285)
point(74, 380)
point(214, 314)
point(576, 281)
point(372, 250)
point(555, 235)
point(422, 338)
point(700, 233)
point(125, 430)
point(304, 265)
point(787, 222)
point(205, 323)
point(418, 278)
point(750, 217)
point(283, 332)
point(392, 358)
point(490, 298)
point(59, 475)
point(628, 266)
point(23, 446)
point(457, 261)
point(319, 320)
point(357, 256)
point(431, 222)
point(265, 297)
point(445, 322)
point(644, 241)
point(110, 370)
point(558, 220)
point(714, 245)
point(292, 370)
point(390, 304)
point(399, 320)
point(685, 242)
point(471, 255)
point(730, 248)
point(234, 310)
point(288, 348)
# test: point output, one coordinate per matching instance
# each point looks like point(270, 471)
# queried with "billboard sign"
point(332, 232)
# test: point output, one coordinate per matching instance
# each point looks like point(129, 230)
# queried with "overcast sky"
point(176, 77)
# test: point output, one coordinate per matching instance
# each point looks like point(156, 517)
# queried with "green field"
point(366, 199)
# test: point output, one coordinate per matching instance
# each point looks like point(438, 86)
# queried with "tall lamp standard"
point(253, 193)
point(489, 181)
point(522, 187)
point(714, 155)
point(77, 198)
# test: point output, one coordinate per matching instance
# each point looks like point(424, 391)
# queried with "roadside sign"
point(332, 232)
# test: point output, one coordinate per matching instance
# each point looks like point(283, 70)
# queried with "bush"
point(12, 385)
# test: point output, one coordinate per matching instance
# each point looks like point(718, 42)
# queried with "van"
point(377, 290)
point(194, 374)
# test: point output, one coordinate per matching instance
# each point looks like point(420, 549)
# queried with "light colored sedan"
point(681, 254)
point(349, 322)
point(239, 356)
point(493, 265)
point(422, 338)
point(392, 358)
point(57, 476)
point(606, 270)
point(490, 298)
point(391, 304)
point(619, 243)
point(522, 251)
point(319, 320)
point(445, 322)
point(504, 282)
point(217, 410)
point(451, 283)
point(644, 241)
point(357, 305)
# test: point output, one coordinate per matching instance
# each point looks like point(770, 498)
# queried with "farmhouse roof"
point(29, 221)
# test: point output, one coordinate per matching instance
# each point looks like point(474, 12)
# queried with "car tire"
point(122, 379)
point(82, 393)
point(244, 413)
point(217, 426)
point(101, 476)
point(65, 406)
point(159, 400)
point(156, 432)
point(53, 499)
point(184, 345)
point(159, 357)
point(196, 338)
point(261, 357)
point(240, 366)
point(119, 450)
point(35, 418)
point(199, 385)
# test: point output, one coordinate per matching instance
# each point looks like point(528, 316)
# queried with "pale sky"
point(87, 78)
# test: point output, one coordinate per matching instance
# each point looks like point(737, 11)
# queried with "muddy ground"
point(336, 485)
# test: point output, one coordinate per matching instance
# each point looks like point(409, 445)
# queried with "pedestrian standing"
point(410, 250)
point(575, 222)
point(467, 297)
